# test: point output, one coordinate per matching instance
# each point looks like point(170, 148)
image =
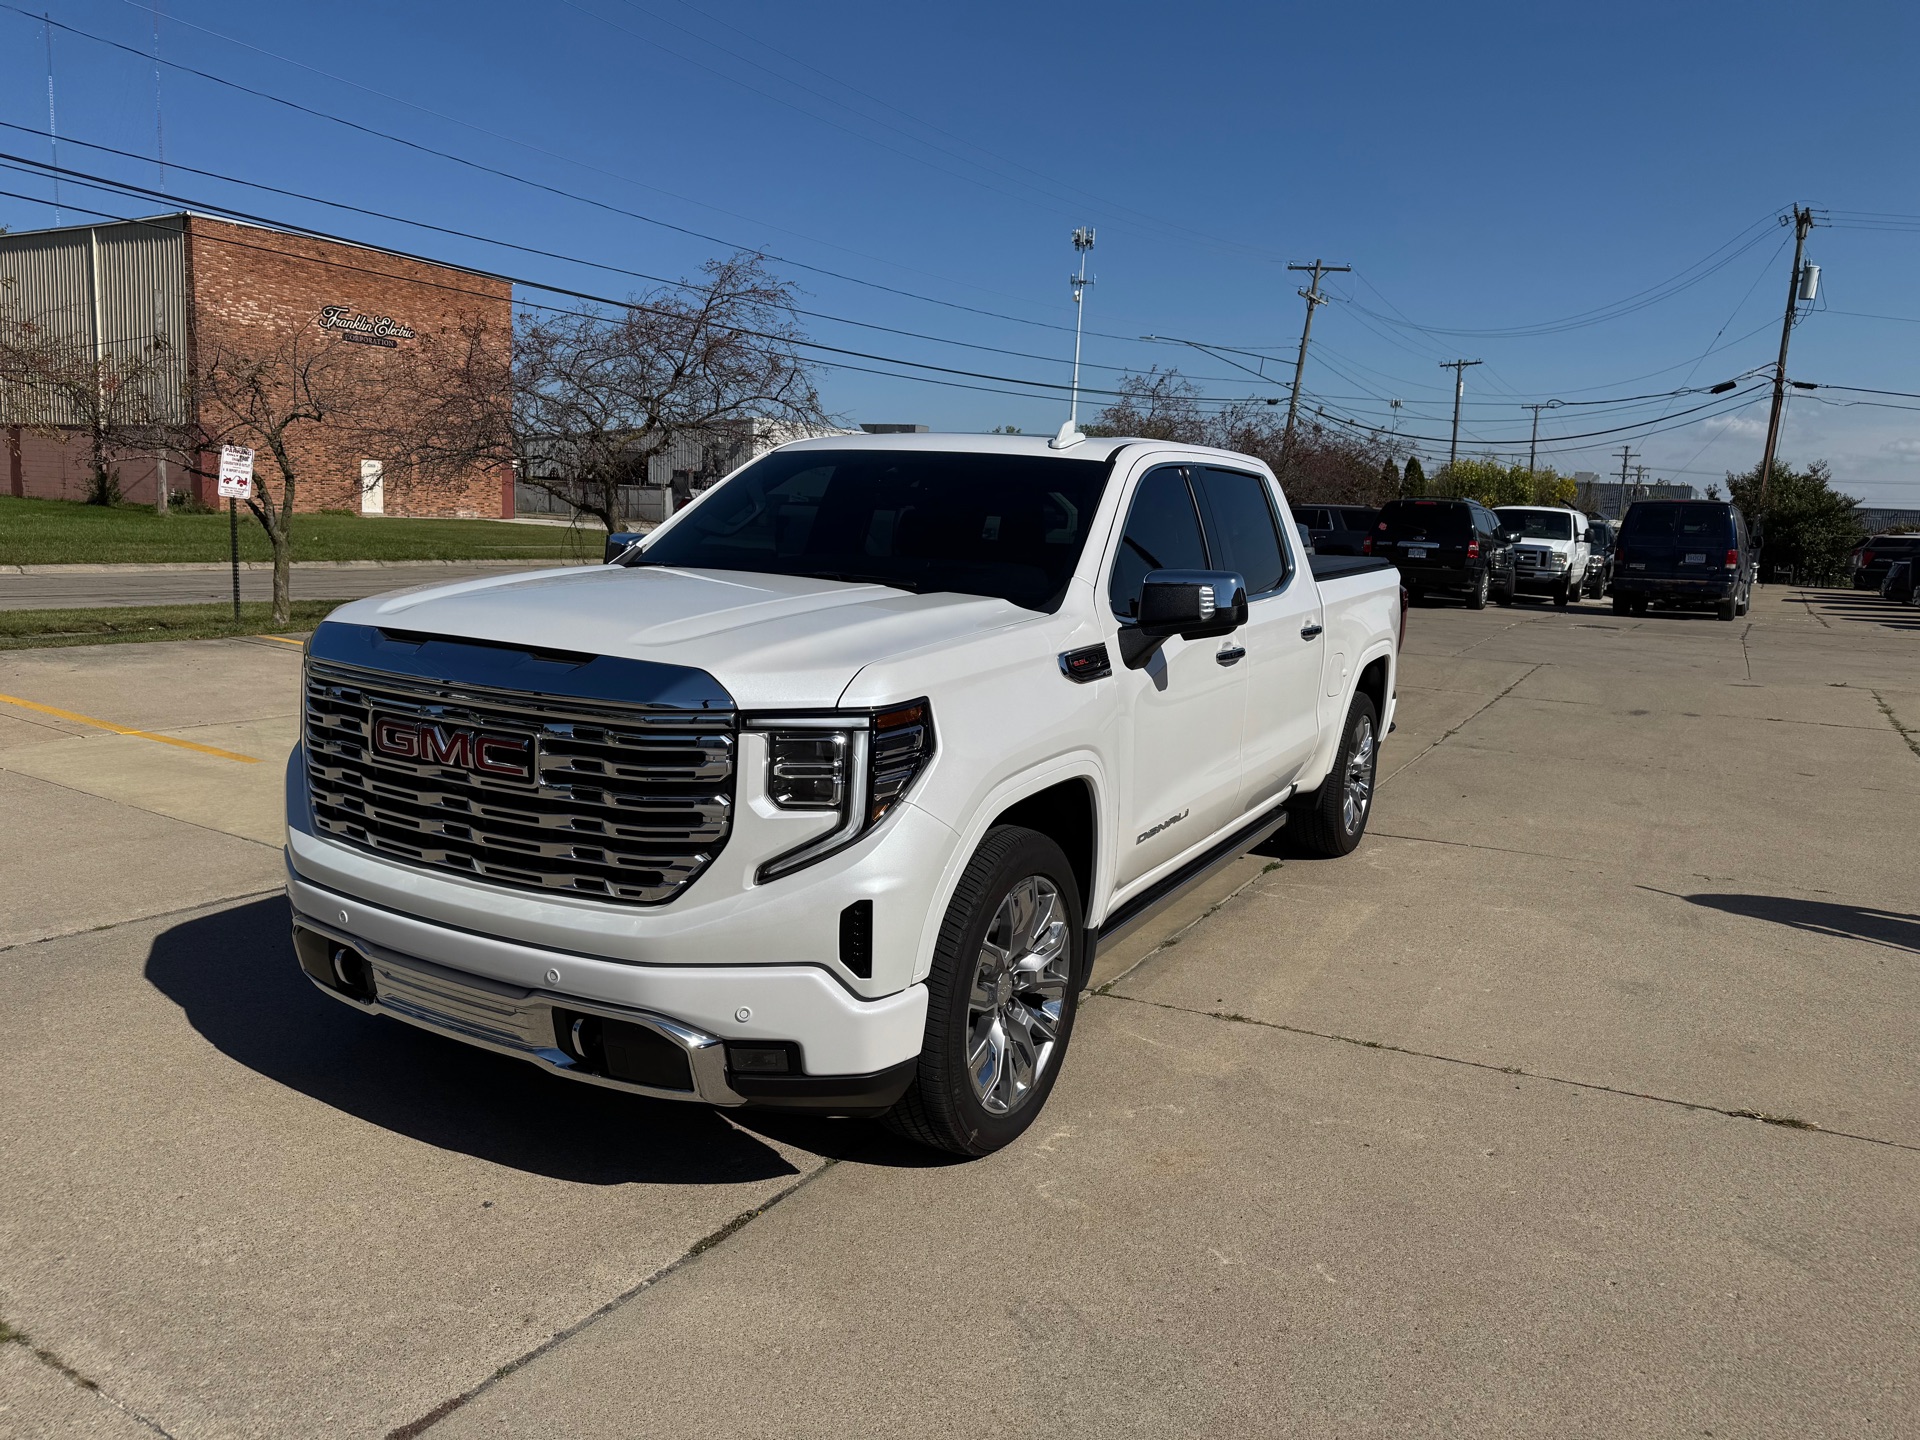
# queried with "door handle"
point(1231, 655)
point(1310, 631)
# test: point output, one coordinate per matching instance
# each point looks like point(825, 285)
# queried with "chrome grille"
point(627, 804)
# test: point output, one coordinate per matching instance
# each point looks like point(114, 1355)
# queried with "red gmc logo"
point(422, 741)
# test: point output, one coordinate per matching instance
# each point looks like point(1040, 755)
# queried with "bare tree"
point(267, 397)
point(53, 381)
point(1324, 464)
point(580, 402)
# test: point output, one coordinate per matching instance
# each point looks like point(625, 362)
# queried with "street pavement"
point(93, 587)
point(1580, 1100)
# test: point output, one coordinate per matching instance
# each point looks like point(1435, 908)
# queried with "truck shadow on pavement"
point(234, 975)
point(1890, 928)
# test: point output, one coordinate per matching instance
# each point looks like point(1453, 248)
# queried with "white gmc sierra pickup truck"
point(825, 792)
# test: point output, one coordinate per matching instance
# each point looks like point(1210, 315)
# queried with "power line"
point(495, 171)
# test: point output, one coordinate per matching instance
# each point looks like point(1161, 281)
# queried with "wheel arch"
point(1068, 814)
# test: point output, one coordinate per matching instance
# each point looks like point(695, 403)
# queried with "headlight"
point(856, 764)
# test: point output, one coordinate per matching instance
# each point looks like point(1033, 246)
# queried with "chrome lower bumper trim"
point(516, 1022)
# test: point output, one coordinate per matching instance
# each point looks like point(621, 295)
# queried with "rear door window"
point(1242, 531)
point(1163, 533)
point(1439, 520)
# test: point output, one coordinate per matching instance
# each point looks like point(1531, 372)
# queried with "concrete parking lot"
point(1580, 1100)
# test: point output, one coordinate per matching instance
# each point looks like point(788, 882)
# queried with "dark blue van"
point(1683, 552)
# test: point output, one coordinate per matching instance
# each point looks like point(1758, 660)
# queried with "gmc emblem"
point(422, 741)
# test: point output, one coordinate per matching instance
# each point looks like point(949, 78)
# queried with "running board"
point(1149, 902)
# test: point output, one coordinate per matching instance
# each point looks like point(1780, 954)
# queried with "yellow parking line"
point(127, 730)
point(281, 638)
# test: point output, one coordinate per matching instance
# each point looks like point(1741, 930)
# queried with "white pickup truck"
point(824, 794)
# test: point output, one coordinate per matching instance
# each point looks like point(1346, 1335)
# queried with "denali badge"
point(1146, 835)
point(509, 756)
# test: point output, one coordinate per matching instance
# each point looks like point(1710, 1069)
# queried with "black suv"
point(1337, 529)
point(1873, 559)
point(1683, 552)
point(1456, 546)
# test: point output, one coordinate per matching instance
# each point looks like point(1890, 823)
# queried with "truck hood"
point(771, 640)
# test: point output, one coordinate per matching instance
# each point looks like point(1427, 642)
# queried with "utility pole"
point(1626, 457)
point(1533, 445)
point(1314, 300)
point(1082, 243)
point(1802, 223)
point(1459, 368)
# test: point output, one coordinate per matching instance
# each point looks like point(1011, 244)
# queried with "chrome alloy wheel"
point(1018, 994)
point(1358, 781)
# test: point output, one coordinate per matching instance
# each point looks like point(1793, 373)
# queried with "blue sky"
point(1483, 167)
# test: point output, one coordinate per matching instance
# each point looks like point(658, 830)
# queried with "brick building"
point(171, 291)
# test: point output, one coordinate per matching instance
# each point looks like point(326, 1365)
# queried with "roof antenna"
point(1070, 432)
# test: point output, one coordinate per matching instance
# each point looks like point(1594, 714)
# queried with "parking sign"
point(236, 472)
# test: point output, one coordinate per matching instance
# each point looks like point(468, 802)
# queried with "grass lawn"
point(66, 532)
point(37, 629)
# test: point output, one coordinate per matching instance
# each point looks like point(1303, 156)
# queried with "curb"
point(543, 562)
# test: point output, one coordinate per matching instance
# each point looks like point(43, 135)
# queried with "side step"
point(1144, 906)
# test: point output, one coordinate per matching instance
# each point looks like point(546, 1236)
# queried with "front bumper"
point(849, 1055)
point(1538, 582)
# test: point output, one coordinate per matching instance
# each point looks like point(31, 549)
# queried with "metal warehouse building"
point(149, 299)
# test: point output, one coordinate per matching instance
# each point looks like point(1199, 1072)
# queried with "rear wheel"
point(1001, 999)
point(1727, 608)
point(1621, 605)
point(1334, 817)
point(1477, 597)
point(1639, 607)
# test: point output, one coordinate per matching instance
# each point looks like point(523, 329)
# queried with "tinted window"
point(1163, 533)
point(1011, 526)
point(1669, 520)
point(1242, 526)
point(1425, 519)
point(1360, 519)
point(1313, 519)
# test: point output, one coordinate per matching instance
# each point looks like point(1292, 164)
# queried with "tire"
point(1621, 605)
point(1504, 596)
point(1727, 608)
point(1563, 594)
point(1477, 597)
point(1746, 603)
point(1639, 607)
point(975, 989)
point(1333, 819)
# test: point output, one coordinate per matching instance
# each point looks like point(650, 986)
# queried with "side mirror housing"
point(1509, 535)
point(1192, 604)
point(617, 543)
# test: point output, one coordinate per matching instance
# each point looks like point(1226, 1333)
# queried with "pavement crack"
point(1912, 737)
point(143, 809)
point(1475, 845)
point(1745, 653)
point(1177, 936)
point(1731, 1112)
point(12, 1335)
point(1531, 671)
point(1813, 612)
point(198, 905)
point(709, 1241)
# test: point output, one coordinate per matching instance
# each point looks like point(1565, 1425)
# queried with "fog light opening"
point(352, 974)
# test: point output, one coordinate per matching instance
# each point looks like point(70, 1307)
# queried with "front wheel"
point(1563, 594)
point(1001, 999)
point(1334, 817)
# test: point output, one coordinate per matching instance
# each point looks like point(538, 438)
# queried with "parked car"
point(1337, 529)
point(1900, 585)
point(1551, 556)
point(1872, 560)
point(825, 793)
point(1683, 552)
point(1456, 547)
point(1602, 538)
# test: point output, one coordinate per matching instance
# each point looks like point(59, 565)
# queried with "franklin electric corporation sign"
point(364, 329)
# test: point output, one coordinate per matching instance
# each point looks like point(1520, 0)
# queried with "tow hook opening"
point(621, 1050)
point(336, 966)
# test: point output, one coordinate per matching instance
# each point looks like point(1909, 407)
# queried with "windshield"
point(1010, 526)
point(1425, 520)
point(1538, 524)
